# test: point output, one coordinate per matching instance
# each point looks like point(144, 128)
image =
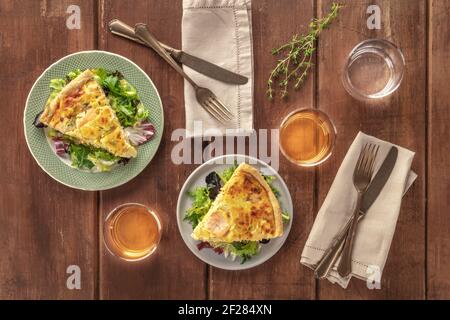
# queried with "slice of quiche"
point(82, 111)
point(246, 209)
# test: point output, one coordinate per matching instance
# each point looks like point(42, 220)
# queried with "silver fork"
point(205, 97)
point(361, 179)
point(330, 256)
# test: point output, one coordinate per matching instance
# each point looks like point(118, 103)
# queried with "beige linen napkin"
point(219, 31)
point(375, 231)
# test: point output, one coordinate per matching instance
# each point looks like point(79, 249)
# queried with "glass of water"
point(374, 70)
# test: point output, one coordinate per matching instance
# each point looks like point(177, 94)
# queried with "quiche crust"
point(246, 209)
point(82, 111)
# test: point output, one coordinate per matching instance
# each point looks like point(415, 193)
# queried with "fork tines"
point(217, 109)
point(367, 158)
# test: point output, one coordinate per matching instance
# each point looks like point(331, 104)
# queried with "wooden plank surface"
point(281, 277)
point(399, 119)
point(438, 274)
point(173, 272)
point(45, 226)
point(41, 238)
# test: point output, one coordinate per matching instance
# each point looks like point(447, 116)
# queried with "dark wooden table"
point(45, 226)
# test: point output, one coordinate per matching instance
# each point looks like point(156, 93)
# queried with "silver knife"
point(209, 69)
point(376, 185)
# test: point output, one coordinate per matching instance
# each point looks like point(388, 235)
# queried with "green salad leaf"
point(56, 85)
point(142, 112)
point(200, 206)
point(100, 75)
point(120, 87)
point(227, 173)
point(127, 90)
point(72, 75)
point(123, 108)
point(85, 157)
point(242, 249)
point(245, 249)
point(79, 155)
point(129, 112)
point(123, 99)
point(104, 155)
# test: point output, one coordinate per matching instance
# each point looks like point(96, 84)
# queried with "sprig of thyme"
point(298, 55)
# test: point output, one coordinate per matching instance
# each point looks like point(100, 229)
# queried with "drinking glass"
point(307, 137)
point(132, 231)
point(374, 70)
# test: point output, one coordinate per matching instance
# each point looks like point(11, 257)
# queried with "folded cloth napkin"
point(219, 31)
point(376, 229)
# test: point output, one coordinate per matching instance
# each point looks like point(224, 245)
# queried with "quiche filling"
point(95, 119)
point(244, 213)
point(245, 210)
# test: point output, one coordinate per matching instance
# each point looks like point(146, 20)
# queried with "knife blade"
point(207, 68)
point(379, 180)
point(376, 185)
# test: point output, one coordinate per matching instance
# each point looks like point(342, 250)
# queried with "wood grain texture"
point(173, 272)
point(438, 274)
point(399, 119)
point(282, 277)
point(44, 226)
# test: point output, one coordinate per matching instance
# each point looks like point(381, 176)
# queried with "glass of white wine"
point(307, 137)
point(132, 231)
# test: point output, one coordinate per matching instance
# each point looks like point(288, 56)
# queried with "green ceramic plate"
point(41, 150)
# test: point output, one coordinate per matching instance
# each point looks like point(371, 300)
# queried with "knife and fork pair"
point(368, 190)
point(206, 98)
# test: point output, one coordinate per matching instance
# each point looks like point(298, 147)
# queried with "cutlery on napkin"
point(205, 97)
point(219, 31)
point(376, 185)
point(375, 231)
point(209, 69)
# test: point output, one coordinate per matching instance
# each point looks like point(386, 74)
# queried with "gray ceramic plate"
point(44, 154)
point(197, 178)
